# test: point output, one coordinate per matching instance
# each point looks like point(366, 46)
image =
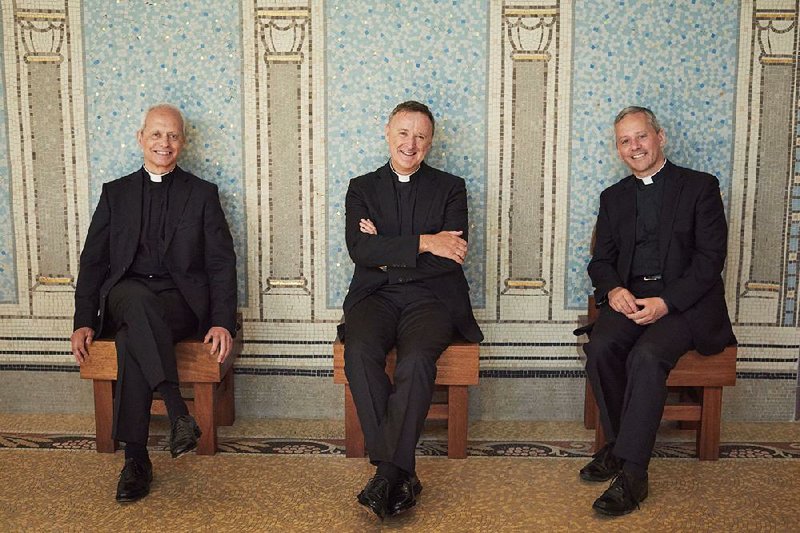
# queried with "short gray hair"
point(630, 110)
point(164, 106)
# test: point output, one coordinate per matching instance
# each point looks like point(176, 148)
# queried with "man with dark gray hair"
point(158, 266)
point(406, 231)
point(661, 242)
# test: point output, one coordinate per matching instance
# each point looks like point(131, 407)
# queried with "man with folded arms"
point(661, 242)
point(158, 266)
point(406, 231)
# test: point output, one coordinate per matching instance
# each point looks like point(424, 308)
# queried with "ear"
point(662, 137)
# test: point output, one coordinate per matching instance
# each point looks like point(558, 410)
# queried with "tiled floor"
point(49, 490)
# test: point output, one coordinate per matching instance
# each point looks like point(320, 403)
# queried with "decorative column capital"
point(283, 33)
point(776, 35)
point(530, 31)
point(42, 35)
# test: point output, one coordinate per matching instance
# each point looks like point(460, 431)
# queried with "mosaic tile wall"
point(138, 53)
point(286, 100)
point(8, 285)
point(683, 68)
point(372, 64)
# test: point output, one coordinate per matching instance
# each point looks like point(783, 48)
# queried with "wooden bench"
point(457, 368)
point(699, 380)
point(212, 382)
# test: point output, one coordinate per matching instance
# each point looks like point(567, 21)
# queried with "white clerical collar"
point(402, 178)
point(156, 178)
point(648, 180)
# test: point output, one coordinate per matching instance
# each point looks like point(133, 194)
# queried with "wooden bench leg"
point(353, 436)
point(457, 420)
point(104, 415)
point(589, 407)
point(204, 413)
point(226, 407)
point(708, 432)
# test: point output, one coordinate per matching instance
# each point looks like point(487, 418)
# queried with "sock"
point(635, 470)
point(173, 400)
point(137, 451)
point(390, 471)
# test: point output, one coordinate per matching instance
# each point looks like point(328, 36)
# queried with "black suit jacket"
point(441, 205)
point(198, 251)
point(693, 236)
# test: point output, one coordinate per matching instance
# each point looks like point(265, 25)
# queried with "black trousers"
point(147, 322)
point(392, 417)
point(628, 366)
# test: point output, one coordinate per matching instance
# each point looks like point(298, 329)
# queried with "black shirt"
point(646, 256)
point(149, 259)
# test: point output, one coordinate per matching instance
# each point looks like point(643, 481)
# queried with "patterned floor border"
point(335, 447)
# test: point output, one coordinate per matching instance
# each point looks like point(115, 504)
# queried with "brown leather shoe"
point(603, 466)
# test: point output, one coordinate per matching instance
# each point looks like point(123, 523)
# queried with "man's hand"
point(651, 309)
point(447, 244)
point(80, 340)
point(366, 226)
point(221, 342)
point(622, 301)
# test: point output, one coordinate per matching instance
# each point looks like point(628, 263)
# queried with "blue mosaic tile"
point(677, 58)
point(8, 271)
point(138, 54)
point(380, 54)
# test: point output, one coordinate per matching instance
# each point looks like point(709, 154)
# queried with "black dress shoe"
point(623, 496)
point(184, 435)
point(404, 495)
point(603, 466)
point(134, 480)
point(375, 496)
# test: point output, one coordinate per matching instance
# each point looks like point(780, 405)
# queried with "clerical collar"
point(648, 180)
point(156, 178)
point(402, 178)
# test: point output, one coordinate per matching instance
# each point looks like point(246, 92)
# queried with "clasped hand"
point(643, 311)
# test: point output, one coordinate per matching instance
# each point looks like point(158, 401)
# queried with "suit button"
point(400, 280)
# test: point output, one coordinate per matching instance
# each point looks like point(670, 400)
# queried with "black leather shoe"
point(375, 496)
point(404, 495)
point(623, 496)
point(603, 466)
point(184, 435)
point(134, 480)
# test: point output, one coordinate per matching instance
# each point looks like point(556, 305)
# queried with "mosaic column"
point(528, 143)
point(47, 151)
point(767, 284)
point(279, 187)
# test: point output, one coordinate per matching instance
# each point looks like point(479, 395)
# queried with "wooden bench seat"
point(212, 382)
point(457, 368)
point(698, 379)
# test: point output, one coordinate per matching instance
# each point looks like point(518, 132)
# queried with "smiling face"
point(639, 145)
point(409, 135)
point(161, 139)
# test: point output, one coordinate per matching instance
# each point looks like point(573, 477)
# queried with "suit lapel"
point(133, 197)
point(426, 192)
point(387, 202)
point(627, 225)
point(673, 184)
point(179, 192)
